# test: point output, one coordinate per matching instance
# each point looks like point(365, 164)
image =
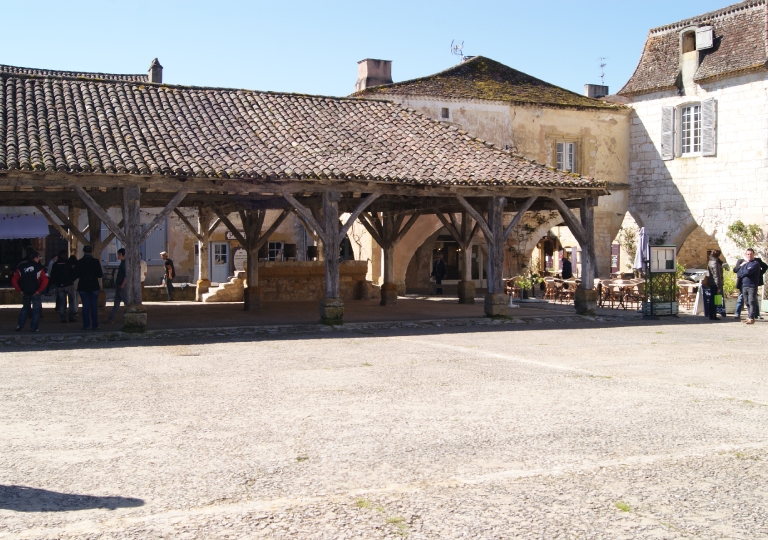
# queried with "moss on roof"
point(485, 79)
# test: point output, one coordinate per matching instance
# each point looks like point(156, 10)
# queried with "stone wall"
point(693, 252)
point(676, 196)
point(10, 296)
point(305, 280)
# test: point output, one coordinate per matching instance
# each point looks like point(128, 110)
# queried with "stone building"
point(530, 117)
point(699, 129)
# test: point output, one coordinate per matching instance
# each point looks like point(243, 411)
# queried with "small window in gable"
point(689, 42)
point(445, 113)
point(565, 157)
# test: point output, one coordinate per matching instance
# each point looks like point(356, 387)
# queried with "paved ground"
point(174, 315)
point(620, 430)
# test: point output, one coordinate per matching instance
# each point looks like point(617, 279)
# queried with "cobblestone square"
point(620, 429)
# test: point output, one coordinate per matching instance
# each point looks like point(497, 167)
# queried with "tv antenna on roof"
point(457, 48)
point(602, 69)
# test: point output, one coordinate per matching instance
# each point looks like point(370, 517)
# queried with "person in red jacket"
point(30, 280)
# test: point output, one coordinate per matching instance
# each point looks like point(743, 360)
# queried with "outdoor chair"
point(550, 293)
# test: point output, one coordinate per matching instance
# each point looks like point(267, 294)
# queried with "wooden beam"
point(360, 207)
point(306, 215)
point(225, 220)
point(519, 216)
point(111, 235)
point(571, 221)
point(50, 219)
point(163, 214)
point(73, 229)
point(103, 216)
point(275, 224)
point(371, 228)
point(448, 225)
point(189, 226)
point(403, 231)
point(477, 217)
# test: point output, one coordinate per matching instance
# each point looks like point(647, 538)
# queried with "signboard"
point(662, 259)
point(240, 257)
point(229, 236)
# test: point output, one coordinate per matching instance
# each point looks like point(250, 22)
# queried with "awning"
point(26, 226)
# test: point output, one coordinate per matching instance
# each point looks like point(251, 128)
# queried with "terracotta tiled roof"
point(739, 47)
point(77, 125)
point(13, 70)
point(485, 79)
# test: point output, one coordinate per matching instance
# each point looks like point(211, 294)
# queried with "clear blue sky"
point(313, 47)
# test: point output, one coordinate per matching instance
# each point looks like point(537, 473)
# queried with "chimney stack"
point(373, 73)
point(595, 90)
point(155, 72)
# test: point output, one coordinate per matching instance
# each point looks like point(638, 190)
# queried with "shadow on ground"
point(28, 499)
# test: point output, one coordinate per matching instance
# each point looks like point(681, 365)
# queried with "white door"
point(219, 262)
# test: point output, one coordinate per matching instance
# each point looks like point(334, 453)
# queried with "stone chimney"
point(373, 73)
point(155, 72)
point(595, 90)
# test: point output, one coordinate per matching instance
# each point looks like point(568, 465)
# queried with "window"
point(690, 129)
point(566, 156)
point(445, 114)
point(275, 251)
point(220, 254)
point(689, 42)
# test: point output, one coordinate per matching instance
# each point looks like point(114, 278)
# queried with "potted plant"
point(526, 285)
point(730, 292)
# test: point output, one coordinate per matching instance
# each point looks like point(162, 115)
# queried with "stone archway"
point(692, 253)
point(424, 227)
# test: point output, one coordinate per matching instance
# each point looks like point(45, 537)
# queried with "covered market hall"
point(105, 147)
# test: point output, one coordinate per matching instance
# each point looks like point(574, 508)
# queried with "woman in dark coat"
point(715, 267)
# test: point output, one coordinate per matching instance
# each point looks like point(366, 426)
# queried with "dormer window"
point(689, 42)
point(445, 113)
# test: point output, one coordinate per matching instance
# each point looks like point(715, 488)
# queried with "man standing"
point(740, 299)
point(120, 282)
point(438, 271)
point(89, 271)
point(30, 280)
point(170, 273)
point(750, 274)
point(62, 278)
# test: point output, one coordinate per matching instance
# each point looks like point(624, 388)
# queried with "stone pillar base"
point(252, 298)
point(203, 285)
point(466, 292)
point(495, 305)
point(585, 301)
point(331, 311)
point(135, 318)
point(102, 299)
point(389, 294)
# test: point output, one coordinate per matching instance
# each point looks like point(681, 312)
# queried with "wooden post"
point(204, 217)
point(331, 307)
point(135, 318)
point(387, 231)
point(252, 223)
point(583, 229)
point(463, 233)
point(495, 237)
point(74, 220)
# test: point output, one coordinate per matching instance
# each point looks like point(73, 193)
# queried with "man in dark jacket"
point(89, 272)
point(750, 275)
point(170, 274)
point(120, 282)
point(30, 280)
point(438, 271)
point(62, 278)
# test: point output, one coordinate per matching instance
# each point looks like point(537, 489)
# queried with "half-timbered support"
point(495, 236)
point(330, 232)
point(252, 240)
point(203, 233)
point(463, 232)
point(583, 229)
point(387, 230)
point(135, 318)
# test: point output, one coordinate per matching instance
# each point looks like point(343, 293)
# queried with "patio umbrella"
point(573, 260)
point(642, 250)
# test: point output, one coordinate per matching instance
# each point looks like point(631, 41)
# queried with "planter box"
point(764, 305)
point(659, 308)
point(730, 305)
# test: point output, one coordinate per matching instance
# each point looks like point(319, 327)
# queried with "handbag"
point(705, 281)
point(718, 299)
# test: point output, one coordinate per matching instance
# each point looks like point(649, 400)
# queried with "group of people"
point(749, 276)
point(69, 275)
